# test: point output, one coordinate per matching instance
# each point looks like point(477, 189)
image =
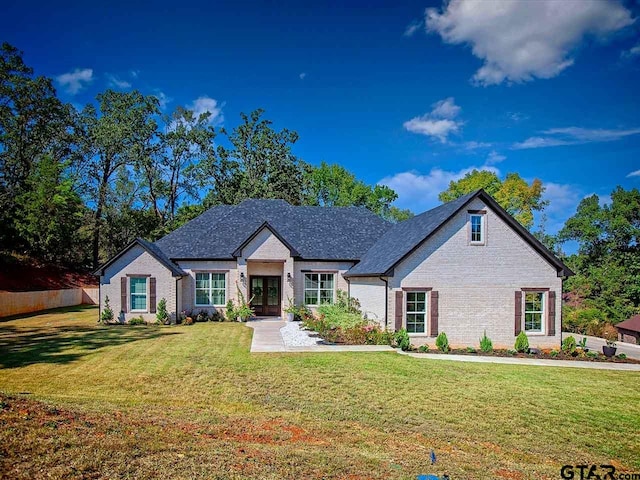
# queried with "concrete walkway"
point(267, 339)
point(596, 344)
point(526, 361)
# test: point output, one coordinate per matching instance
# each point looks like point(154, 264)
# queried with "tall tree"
point(33, 124)
point(258, 163)
point(514, 194)
point(333, 185)
point(115, 137)
point(607, 264)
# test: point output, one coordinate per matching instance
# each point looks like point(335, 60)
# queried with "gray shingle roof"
point(153, 250)
point(399, 240)
point(316, 233)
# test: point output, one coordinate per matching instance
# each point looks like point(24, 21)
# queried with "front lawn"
point(86, 401)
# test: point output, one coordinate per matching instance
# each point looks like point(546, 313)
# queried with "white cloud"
point(517, 116)
point(473, 145)
point(206, 104)
point(563, 200)
point(495, 157)
point(420, 192)
point(412, 28)
point(439, 123)
point(117, 82)
point(631, 53)
point(574, 136)
point(303, 75)
point(635, 173)
point(134, 73)
point(75, 81)
point(521, 40)
point(163, 99)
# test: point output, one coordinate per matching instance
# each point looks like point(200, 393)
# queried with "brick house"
point(629, 330)
point(464, 267)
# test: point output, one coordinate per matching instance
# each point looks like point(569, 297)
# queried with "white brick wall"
point(339, 268)
point(476, 284)
point(370, 291)
point(137, 261)
point(188, 283)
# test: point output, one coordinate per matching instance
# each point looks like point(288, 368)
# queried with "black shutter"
point(152, 295)
point(399, 302)
point(518, 316)
point(434, 314)
point(123, 294)
point(551, 314)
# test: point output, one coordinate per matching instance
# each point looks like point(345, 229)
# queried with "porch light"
point(242, 276)
point(289, 276)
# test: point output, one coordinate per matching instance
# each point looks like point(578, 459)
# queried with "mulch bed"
point(544, 354)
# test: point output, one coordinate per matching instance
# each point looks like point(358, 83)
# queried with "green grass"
point(81, 400)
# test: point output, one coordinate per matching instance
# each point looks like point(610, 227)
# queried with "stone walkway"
point(267, 338)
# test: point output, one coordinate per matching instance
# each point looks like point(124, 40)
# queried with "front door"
point(265, 295)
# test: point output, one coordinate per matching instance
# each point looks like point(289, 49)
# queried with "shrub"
point(376, 336)
point(621, 356)
point(346, 303)
point(203, 316)
point(471, 350)
point(592, 355)
point(486, 345)
point(107, 313)
point(587, 321)
point(423, 348)
point(136, 321)
point(442, 342)
point(337, 316)
point(554, 353)
point(161, 314)
point(522, 343)
point(569, 345)
point(230, 310)
point(511, 352)
point(216, 317)
point(402, 340)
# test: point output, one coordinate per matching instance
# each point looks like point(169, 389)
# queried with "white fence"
point(16, 303)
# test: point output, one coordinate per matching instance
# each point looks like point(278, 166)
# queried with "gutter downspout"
point(177, 311)
point(386, 301)
point(99, 297)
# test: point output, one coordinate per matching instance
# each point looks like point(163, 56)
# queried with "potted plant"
point(290, 310)
point(609, 349)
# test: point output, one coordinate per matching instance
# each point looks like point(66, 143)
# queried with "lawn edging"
point(539, 362)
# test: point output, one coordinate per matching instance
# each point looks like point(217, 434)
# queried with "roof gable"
point(632, 324)
point(152, 250)
point(265, 226)
point(406, 237)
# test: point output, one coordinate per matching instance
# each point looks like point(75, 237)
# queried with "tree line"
point(77, 185)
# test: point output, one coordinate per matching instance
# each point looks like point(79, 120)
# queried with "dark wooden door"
point(265, 294)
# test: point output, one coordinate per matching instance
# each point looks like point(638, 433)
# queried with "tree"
point(257, 164)
point(334, 186)
point(115, 138)
point(514, 194)
point(607, 264)
point(34, 124)
point(51, 214)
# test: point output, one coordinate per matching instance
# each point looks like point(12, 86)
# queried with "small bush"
point(511, 352)
point(136, 321)
point(203, 316)
point(471, 350)
point(592, 355)
point(230, 311)
point(216, 317)
point(486, 345)
point(402, 340)
point(423, 348)
point(554, 353)
point(374, 335)
point(621, 356)
point(569, 345)
point(161, 314)
point(442, 342)
point(522, 343)
point(107, 313)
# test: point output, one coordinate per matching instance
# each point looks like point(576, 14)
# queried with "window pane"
point(533, 311)
point(476, 228)
point(202, 297)
point(218, 297)
point(202, 280)
point(326, 281)
point(310, 280)
point(138, 285)
point(138, 302)
point(311, 297)
point(326, 296)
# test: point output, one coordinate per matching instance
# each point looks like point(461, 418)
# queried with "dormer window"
point(477, 228)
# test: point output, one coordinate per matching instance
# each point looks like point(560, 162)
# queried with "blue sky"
point(412, 96)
